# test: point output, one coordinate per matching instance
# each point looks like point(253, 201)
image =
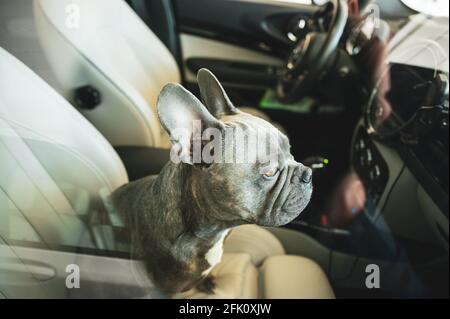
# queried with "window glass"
point(438, 8)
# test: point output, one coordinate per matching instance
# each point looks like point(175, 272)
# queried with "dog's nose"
point(302, 175)
point(306, 175)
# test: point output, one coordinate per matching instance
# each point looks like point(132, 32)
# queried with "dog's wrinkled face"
point(242, 168)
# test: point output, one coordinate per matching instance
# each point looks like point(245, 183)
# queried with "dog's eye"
point(270, 173)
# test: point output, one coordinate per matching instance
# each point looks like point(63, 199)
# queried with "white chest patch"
point(214, 254)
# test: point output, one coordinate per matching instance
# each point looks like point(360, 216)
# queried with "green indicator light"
point(326, 161)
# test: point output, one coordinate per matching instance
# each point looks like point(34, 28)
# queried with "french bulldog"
point(179, 219)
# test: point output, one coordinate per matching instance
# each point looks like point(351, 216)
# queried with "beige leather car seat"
point(104, 43)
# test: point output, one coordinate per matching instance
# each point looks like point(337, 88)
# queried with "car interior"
point(360, 87)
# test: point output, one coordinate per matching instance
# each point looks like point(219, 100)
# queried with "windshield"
point(437, 8)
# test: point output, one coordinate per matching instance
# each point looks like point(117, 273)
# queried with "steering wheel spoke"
point(309, 59)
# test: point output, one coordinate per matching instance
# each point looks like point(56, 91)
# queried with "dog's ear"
point(213, 94)
point(184, 118)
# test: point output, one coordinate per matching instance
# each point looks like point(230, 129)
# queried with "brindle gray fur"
point(177, 216)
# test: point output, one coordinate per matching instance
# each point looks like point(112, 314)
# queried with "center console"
point(370, 166)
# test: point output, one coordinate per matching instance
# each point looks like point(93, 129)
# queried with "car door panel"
point(27, 272)
point(241, 41)
point(232, 64)
point(17, 280)
point(254, 24)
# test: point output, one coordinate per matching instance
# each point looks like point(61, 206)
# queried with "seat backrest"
point(55, 166)
point(104, 43)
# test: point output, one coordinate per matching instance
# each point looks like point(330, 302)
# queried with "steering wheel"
point(312, 55)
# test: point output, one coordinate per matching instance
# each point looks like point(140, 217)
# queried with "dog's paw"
point(207, 285)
